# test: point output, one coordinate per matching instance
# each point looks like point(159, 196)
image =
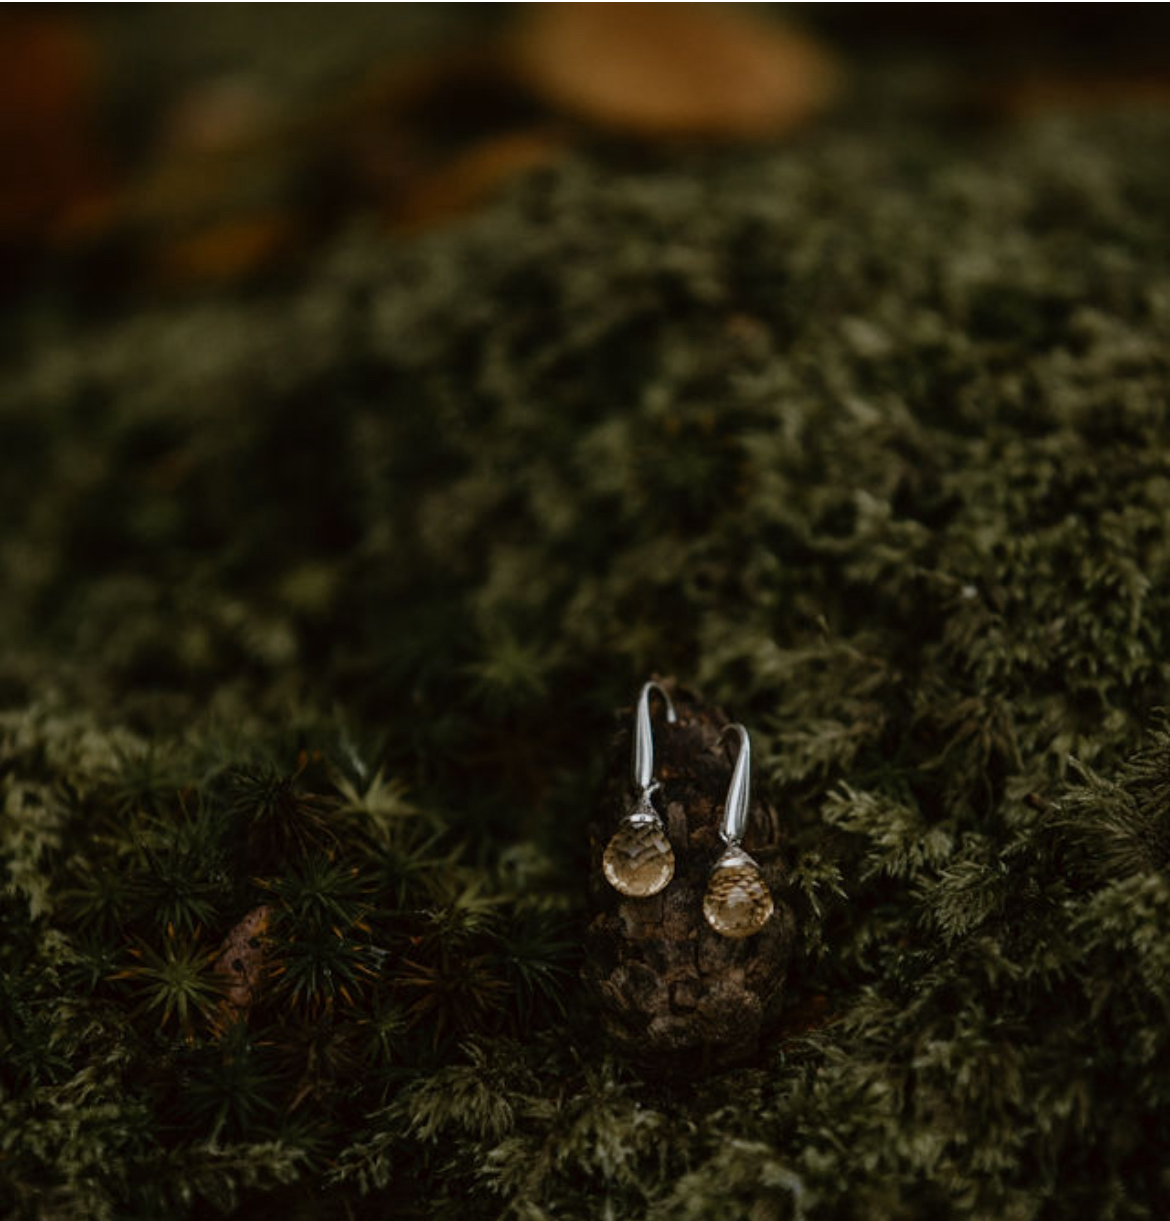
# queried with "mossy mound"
point(322, 599)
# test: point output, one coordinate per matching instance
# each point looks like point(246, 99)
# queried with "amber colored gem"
point(639, 860)
point(738, 902)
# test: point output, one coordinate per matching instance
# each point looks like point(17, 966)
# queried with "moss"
point(327, 596)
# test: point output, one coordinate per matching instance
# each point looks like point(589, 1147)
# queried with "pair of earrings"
point(639, 860)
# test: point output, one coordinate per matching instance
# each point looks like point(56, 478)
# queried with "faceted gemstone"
point(639, 860)
point(738, 902)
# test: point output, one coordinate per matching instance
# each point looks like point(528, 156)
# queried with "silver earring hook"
point(643, 762)
point(739, 792)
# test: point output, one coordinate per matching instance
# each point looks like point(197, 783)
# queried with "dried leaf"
point(1043, 92)
point(240, 963)
point(472, 175)
point(48, 72)
point(229, 249)
point(673, 69)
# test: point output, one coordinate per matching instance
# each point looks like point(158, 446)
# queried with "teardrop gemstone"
point(638, 859)
point(738, 902)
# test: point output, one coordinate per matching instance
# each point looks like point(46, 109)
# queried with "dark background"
point(153, 151)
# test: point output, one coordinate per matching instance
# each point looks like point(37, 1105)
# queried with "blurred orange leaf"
point(673, 69)
point(227, 250)
point(1037, 92)
point(48, 79)
point(471, 176)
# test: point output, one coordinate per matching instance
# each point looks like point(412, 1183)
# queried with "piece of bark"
point(240, 964)
point(670, 989)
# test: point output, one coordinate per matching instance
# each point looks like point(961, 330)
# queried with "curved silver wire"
point(643, 761)
point(739, 792)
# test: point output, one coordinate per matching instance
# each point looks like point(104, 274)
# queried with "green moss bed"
point(324, 598)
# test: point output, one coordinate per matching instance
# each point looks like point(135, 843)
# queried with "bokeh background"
point(151, 152)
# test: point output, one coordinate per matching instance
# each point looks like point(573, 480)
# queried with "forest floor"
point(385, 402)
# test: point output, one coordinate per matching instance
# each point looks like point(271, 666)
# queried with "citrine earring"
point(638, 859)
point(738, 902)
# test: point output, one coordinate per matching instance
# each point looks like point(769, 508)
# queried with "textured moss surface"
point(323, 598)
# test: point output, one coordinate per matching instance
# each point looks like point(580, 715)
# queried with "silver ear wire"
point(642, 764)
point(739, 792)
